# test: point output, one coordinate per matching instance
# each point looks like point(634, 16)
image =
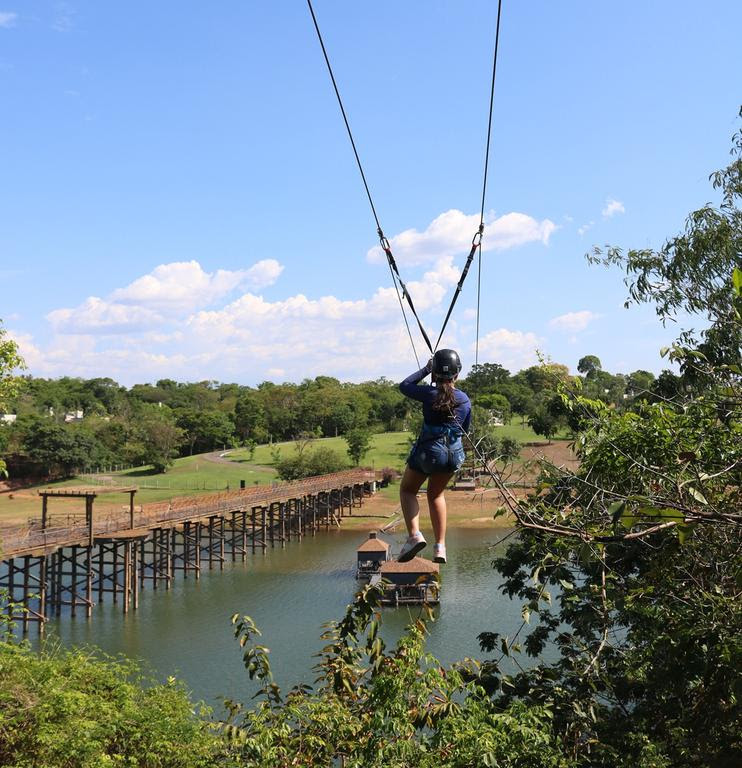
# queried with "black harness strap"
point(476, 243)
point(393, 266)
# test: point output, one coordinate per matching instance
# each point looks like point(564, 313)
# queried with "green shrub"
point(307, 463)
point(72, 708)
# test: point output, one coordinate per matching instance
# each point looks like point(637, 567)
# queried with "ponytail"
point(445, 399)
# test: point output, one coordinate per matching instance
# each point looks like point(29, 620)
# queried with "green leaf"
point(649, 514)
point(627, 520)
point(697, 495)
point(737, 281)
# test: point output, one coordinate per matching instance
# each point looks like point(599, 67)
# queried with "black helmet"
point(446, 364)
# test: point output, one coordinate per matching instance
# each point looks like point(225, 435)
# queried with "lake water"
point(289, 593)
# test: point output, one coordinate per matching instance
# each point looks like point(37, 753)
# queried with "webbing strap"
point(393, 266)
point(475, 244)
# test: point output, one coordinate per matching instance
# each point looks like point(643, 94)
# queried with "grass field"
point(197, 474)
point(387, 450)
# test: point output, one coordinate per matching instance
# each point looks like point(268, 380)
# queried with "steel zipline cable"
point(486, 168)
point(476, 243)
point(382, 239)
point(384, 242)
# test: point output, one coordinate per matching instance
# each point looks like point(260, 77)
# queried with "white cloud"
point(183, 322)
point(573, 321)
point(96, 315)
point(612, 207)
point(169, 292)
point(263, 273)
point(450, 234)
point(248, 340)
point(584, 228)
point(7, 19)
point(513, 349)
point(183, 285)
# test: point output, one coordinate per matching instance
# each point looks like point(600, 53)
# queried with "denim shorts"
point(431, 457)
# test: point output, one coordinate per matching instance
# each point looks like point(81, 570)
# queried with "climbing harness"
point(438, 448)
point(476, 246)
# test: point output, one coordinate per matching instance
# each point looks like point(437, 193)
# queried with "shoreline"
point(465, 510)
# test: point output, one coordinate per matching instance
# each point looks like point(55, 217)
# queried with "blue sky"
point(178, 197)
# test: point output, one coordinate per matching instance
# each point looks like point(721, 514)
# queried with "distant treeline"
point(69, 424)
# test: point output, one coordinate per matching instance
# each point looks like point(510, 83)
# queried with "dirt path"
point(466, 509)
point(220, 457)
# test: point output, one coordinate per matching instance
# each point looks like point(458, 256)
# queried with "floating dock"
point(412, 583)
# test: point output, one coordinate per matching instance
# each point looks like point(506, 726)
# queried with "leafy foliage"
point(308, 463)
point(10, 361)
point(70, 708)
point(359, 442)
point(375, 707)
point(631, 564)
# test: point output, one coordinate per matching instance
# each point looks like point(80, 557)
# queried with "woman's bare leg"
point(408, 488)
point(437, 504)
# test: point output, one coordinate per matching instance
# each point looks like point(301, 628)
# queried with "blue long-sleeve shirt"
point(426, 394)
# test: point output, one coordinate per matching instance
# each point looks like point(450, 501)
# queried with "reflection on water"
point(289, 593)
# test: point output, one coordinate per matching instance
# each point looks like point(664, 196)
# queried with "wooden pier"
point(47, 570)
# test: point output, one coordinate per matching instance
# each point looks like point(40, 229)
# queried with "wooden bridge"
point(46, 569)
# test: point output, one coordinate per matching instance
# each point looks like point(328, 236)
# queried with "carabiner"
point(476, 241)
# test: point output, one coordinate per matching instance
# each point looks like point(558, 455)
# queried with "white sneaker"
point(411, 547)
point(439, 553)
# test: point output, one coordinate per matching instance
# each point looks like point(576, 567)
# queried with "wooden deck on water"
point(46, 570)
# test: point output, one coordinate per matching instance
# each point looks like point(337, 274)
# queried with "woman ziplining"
point(438, 452)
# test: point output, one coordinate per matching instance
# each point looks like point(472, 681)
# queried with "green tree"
point(205, 430)
point(359, 443)
point(485, 378)
point(60, 449)
point(10, 361)
point(639, 383)
point(509, 450)
point(691, 273)
point(249, 415)
point(280, 402)
point(630, 564)
point(544, 419)
point(589, 365)
point(497, 404)
point(159, 439)
point(544, 377)
point(308, 463)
